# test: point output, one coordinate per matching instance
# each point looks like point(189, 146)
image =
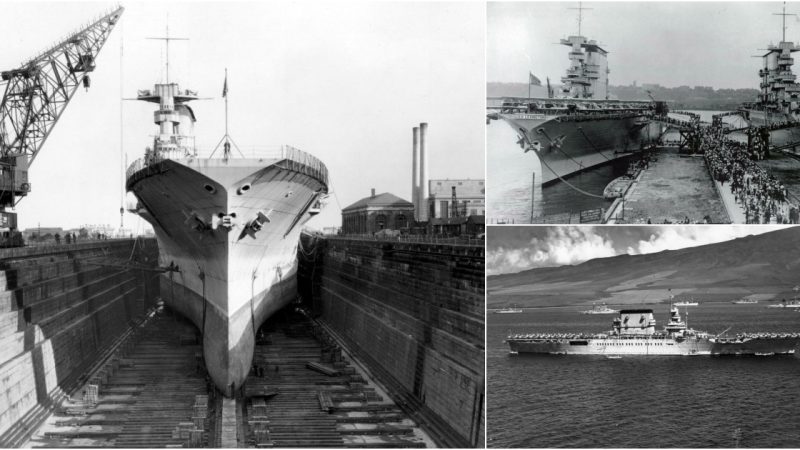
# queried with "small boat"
point(765, 354)
point(613, 357)
point(686, 303)
point(794, 304)
point(617, 187)
point(745, 301)
point(602, 309)
point(513, 309)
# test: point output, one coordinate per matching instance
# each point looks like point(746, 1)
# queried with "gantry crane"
point(35, 96)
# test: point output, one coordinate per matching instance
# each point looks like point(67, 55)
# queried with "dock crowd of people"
point(763, 197)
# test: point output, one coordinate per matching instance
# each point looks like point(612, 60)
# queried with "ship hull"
point(226, 280)
point(778, 138)
point(568, 147)
point(655, 346)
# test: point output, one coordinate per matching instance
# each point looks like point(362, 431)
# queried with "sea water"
point(642, 401)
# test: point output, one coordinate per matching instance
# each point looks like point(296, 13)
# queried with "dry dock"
point(385, 349)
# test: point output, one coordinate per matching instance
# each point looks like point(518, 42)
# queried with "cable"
point(568, 183)
point(121, 128)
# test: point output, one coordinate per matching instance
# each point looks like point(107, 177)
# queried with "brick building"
point(377, 212)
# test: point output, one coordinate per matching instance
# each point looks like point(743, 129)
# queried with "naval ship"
point(227, 230)
point(778, 103)
point(582, 128)
point(634, 333)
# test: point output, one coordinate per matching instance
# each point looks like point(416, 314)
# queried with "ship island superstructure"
point(227, 230)
point(778, 103)
point(634, 333)
point(582, 128)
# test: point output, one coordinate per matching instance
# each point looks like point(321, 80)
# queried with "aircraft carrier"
point(581, 128)
point(227, 229)
point(634, 333)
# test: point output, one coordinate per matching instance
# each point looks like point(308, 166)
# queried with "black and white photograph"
point(658, 336)
point(642, 113)
point(242, 224)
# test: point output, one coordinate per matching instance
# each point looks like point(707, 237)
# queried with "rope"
point(592, 144)
point(558, 147)
point(577, 189)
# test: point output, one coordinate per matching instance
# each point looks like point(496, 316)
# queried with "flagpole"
point(226, 102)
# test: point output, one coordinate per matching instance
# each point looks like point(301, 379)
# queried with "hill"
point(764, 267)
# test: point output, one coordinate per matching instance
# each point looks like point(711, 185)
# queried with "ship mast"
point(783, 14)
point(166, 40)
point(580, 9)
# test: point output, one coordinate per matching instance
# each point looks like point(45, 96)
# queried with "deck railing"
point(297, 160)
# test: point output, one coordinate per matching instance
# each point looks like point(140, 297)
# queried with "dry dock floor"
point(672, 188)
point(334, 404)
point(304, 391)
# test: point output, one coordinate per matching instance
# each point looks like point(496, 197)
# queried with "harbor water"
point(640, 401)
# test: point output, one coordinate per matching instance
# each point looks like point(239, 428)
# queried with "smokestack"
point(423, 173)
point(415, 175)
point(373, 192)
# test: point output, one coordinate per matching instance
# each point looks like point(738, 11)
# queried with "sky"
point(668, 43)
point(344, 81)
point(514, 249)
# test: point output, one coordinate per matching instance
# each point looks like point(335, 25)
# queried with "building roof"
point(385, 200)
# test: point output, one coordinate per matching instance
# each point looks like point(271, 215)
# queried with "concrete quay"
point(674, 187)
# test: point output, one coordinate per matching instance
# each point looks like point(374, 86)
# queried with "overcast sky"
point(514, 249)
point(669, 43)
point(345, 82)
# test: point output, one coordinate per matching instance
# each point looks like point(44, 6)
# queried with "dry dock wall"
point(61, 308)
point(414, 314)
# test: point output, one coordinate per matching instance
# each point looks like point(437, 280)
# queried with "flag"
point(225, 86)
point(533, 80)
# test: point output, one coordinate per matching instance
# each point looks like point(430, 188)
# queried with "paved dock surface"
point(672, 189)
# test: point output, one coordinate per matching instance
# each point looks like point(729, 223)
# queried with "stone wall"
point(61, 308)
point(414, 313)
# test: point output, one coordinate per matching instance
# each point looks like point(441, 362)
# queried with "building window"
point(400, 222)
point(380, 222)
